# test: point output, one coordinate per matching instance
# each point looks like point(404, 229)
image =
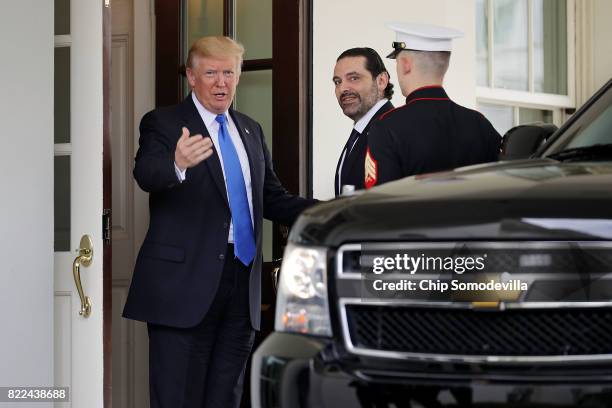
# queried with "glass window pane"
point(61, 200)
point(482, 44)
point(550, 46)
point(61, 96)
point(597, 131)
point(254, 27)
point(527, 115)
point(510, 48)
point(254, 98)
point(62, 17)
point(201, 18)
point(500, 116)
point(204, 17)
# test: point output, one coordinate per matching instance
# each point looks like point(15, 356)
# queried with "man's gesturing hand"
point(191, 150)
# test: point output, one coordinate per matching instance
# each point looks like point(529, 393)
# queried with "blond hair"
point(431, 63)
point(215, 47)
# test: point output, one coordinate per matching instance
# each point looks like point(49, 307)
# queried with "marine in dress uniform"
point(430, 132)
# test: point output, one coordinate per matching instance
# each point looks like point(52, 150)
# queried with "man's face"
point(214, 81)
point(356, 90)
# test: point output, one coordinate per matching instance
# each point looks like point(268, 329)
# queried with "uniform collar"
point(427, 92)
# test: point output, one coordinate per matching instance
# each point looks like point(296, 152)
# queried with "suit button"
point(221, 257)
point(225, 225)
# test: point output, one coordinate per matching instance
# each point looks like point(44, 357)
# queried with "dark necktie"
point(351, 142)
point(244, 238)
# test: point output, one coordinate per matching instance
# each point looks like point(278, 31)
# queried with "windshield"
point(593, 127)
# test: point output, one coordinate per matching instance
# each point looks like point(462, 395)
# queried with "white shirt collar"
point(363, 122)
point(208, 117)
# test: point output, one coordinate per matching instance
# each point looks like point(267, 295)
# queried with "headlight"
point(301, 303)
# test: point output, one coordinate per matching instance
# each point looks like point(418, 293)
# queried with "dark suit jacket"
point(180, 262)
point(353, 168)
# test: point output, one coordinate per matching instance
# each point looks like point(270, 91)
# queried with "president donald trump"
point(198, 274)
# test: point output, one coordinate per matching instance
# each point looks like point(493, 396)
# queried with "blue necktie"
point(244, 238)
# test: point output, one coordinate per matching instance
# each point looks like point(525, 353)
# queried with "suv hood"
point(538, 199)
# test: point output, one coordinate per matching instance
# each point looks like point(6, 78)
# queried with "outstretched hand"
point(190, 151)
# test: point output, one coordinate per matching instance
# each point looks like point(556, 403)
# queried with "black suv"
point(534, 329)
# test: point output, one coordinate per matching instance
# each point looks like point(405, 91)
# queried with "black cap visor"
point(397, 48)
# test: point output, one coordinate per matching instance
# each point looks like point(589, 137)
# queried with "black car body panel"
point(479, 202)
point(293, 372)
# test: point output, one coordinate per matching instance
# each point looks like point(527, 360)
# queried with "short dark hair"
point(431, 62)
point(374, 64)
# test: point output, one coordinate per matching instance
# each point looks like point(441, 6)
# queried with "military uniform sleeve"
point(382, 163)
point(493, 140)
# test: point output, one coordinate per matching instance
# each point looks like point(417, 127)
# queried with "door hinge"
point(106, 3)
point(106, 225)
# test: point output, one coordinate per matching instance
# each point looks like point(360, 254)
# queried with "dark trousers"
point(203, 366)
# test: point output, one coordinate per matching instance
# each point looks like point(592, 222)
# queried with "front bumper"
point(290, 370)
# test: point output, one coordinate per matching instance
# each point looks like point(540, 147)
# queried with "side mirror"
point(522, 141)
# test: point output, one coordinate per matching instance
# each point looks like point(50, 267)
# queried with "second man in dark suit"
point(363, 90)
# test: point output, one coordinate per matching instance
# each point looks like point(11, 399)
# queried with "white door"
point(78, 350)
point(26, 197)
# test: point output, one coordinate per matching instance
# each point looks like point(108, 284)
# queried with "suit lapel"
point(248, 140)
point(336, 185)
point(193, 122)
point(351, 158)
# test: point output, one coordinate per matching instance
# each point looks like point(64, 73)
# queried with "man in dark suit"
point(363, 90)
point(430, 132)
point(197, 280)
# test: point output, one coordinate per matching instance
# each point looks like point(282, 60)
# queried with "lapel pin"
point(247, 131)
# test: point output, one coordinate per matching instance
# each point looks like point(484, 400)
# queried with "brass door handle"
point(84, 258)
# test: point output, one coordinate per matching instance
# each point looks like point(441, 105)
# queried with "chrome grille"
point(543, 328)
point(514, 332)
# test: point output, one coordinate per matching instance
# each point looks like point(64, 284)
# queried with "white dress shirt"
point(212, 126)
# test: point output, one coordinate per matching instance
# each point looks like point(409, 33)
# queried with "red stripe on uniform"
point(428, 87)
point(413, 100)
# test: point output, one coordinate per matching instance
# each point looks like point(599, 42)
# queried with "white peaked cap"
point(422, 37)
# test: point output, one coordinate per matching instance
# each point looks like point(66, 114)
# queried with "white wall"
point(342, 24)
point(602, 47)
point(26, 179)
